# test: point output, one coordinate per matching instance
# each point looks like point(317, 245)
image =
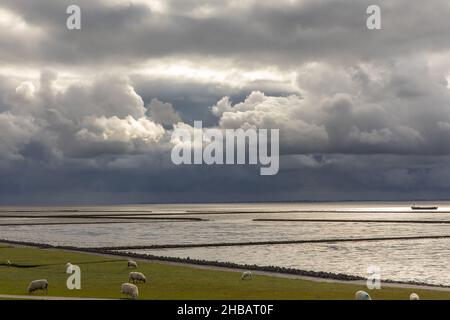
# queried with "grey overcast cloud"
point(86, 115)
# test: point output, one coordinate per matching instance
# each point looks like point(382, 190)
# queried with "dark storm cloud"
point(365, 117)
point(335, 178)
point(262, 32)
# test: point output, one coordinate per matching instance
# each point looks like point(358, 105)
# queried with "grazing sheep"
point(414, 296)
point(362, 295)
point(130, 290)
point(69, 268)
point(132, 264)
point(246, 275)
point(9, 263)
point(38, 285)
point(137, 277)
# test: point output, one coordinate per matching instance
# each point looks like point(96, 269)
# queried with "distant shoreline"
point(90, 204)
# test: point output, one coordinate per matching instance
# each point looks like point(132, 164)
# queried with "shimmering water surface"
point(421, 260)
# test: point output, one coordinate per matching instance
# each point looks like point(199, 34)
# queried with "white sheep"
point(38, 285)
point(247, 275)
point(137, 277)
point(69, 268)
point(130, 290)
point(132, 264)
point(362, 295)
point(414, 296)
point(9, 263)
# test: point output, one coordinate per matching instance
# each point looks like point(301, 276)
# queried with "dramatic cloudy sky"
point(86, 116)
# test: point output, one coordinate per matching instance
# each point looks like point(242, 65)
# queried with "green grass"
point(102, 277)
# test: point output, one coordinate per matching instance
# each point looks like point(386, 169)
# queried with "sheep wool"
point(362, 295)
point(35, 285)
point(130, 289)
point(246, 275)
point(137, 277)
point(414, 296)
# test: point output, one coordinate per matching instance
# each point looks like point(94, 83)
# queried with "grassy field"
point(103, 276)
